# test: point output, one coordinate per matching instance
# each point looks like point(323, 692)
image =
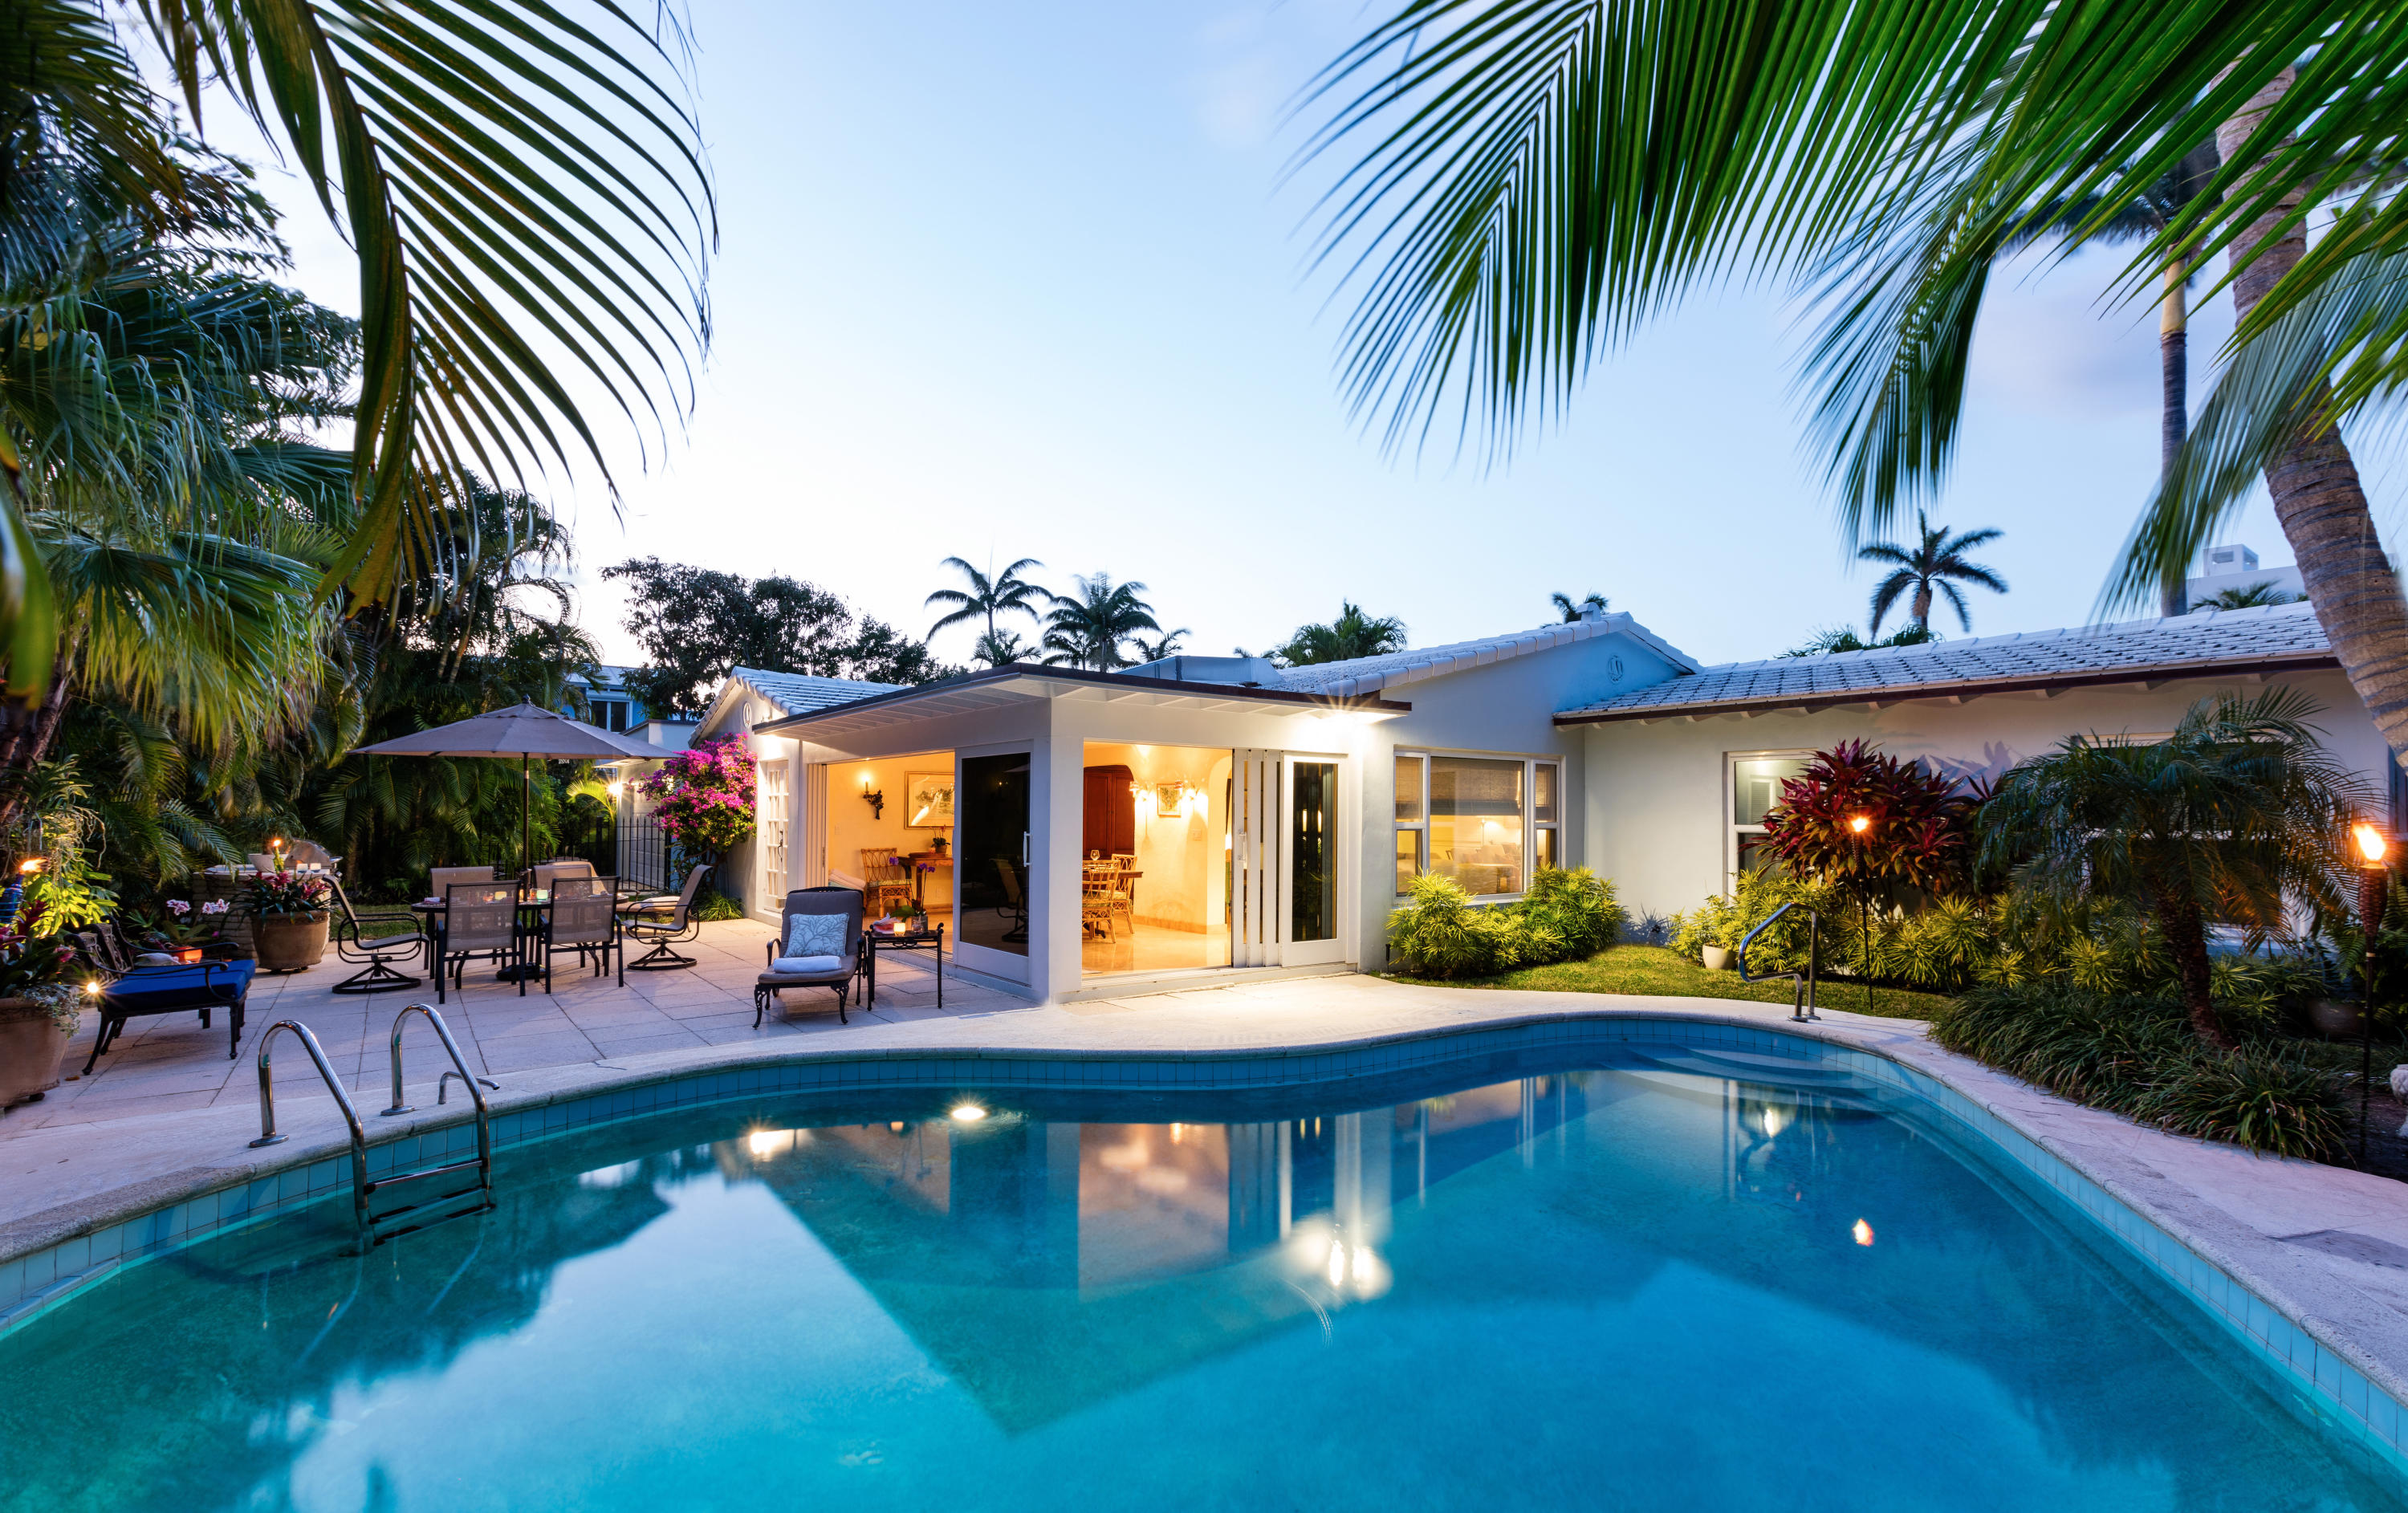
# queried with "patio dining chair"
point(479, 919)
point(664, 929)
point(442, 880)
point(584, 918)
point(1015, 903)
point(353, 944)
point(561, 866)
point(790, 966)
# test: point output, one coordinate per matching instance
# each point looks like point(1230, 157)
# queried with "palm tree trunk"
point(26, 735)
point(2185, 932)
point(1923, 605)
point(2321, 503)
point(2174, 372)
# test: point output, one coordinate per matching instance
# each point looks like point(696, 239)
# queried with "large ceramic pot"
point(289, 942)
point(31, 1045)
point(2335, 1019)
point(1718, 958)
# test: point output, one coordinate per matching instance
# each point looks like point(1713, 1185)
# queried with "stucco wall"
point(1658, 811)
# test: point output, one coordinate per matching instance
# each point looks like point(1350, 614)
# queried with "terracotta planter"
point(31, 1045)
point(1718, 958)
point(289, 942)
point(2335, 1019)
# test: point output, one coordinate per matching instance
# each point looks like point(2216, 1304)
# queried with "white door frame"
point(773, 847)
point(1293, 952)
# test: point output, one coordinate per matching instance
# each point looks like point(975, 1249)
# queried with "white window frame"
point(1732, 830)
point(1531, 825)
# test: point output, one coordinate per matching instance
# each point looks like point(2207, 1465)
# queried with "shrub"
point(1443, 934)
point(2135, 1054)
point(703, 796)
point(1918, 827)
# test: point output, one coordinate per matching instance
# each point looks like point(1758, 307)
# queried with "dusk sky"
point(1026, 281)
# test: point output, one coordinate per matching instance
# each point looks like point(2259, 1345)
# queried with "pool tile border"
point(2330, 1388)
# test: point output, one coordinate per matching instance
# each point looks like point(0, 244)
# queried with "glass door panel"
point(1312, 850)
point(991, 853)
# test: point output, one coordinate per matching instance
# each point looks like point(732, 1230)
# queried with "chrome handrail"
point(268, 1134)
point(1802, 1008)
point(442, 1032)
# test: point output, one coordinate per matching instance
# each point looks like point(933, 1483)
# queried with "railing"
point(641, 858)
point(1802, 1008)
point(371, 1226)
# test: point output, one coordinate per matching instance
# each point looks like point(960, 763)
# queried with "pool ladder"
point(1802, 1008)
point(375, 1228)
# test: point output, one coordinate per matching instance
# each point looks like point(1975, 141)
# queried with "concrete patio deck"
point(168, 1116)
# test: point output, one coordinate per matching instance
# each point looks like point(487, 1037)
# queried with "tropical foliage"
point(2255, 596)
point(1824, 643)
point(500, 172)
point(694, 624)
point(1574, 610)
point(1870, 822)
point(989, 595)
point(2239, 816)
point(1566, 914)
point(1538, 178)
point(1352, 635)
point(1936, 563)
point(1087, 628)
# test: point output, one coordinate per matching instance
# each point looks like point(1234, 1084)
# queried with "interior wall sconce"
point(875, 798)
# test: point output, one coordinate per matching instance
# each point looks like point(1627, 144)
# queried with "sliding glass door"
point(1311, 807)
point(991, 853)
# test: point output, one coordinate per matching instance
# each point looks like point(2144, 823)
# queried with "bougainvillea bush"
point(702, 797)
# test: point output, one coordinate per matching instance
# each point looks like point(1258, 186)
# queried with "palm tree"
point(1574, 609)
point(999, 648)
point(1684, 159)
point(2255, 596)
point(1352, 635)
point(2238, 816)
point(525, 188)
point(1163, 646)
point(1003, 593)
point(1938, 563)
point(1085, 629)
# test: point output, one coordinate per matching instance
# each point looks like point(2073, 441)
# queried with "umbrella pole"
point(526, 831)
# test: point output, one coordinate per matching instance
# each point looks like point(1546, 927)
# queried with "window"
point(610, 714)
point(1486, 821)
point(1755, 780)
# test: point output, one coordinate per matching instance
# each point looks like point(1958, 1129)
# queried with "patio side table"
point(931, 939)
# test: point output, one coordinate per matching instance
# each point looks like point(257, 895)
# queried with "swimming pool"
point(1647, 1275)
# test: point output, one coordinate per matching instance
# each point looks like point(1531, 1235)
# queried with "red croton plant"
point(1916, 826)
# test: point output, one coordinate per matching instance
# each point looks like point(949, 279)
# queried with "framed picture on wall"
point(928, 799)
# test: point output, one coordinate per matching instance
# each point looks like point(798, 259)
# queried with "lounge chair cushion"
point(817, 965)
point(815, 934)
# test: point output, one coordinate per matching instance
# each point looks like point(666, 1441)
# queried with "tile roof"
point(797, 693)
point(1370, 675)
point(2281, 637)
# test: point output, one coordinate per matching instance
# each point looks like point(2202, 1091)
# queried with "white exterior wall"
point(1658, 811)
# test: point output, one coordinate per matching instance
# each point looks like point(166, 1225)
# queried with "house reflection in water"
point(1135, 1248)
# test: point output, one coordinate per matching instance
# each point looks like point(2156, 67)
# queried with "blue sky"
point(1024, 281)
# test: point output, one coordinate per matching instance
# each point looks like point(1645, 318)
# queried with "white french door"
point(1287, 881)
point(772, 814)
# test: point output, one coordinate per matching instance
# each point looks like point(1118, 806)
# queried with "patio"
point(169, 1064)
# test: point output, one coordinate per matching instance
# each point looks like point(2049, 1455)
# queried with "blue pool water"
point(1653, 1280)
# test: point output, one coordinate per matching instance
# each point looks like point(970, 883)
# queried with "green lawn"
point(1655, 969)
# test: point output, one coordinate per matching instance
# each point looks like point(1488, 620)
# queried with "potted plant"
point(191, 931)
point(289, 919)
point(40, 1005)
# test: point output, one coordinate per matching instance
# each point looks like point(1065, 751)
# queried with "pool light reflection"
point(968, 1113)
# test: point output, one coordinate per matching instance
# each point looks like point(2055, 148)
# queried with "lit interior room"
point(890, 831)
point(1155, 858)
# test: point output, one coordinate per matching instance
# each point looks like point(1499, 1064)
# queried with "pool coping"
point(2309, 1314)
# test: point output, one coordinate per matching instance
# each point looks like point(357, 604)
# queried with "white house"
point(1201, 818)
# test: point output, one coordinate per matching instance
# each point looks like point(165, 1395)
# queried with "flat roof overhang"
point(1959, 692)
point(1022, 682)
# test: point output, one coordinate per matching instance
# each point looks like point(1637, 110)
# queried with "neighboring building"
point(1201, 817)
point(609, 702)
point(2236, 567)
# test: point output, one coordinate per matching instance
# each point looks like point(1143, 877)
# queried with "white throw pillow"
point(815, 934)
point(807, 966)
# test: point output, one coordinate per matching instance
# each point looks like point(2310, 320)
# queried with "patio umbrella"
point(524, 730)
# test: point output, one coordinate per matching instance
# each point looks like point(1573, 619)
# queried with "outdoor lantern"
point(30, 865)
point(2373, 883)
point(1860, 823)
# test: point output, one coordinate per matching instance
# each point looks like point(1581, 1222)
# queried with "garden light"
point(1860, 823)
point(30, 865)
point(91, 988)
point(2371, 844)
